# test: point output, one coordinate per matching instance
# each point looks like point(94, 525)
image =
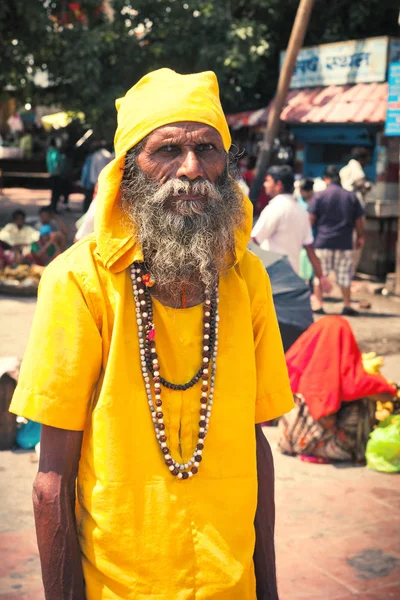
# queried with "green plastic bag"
point(383, 448)
point(306, 270)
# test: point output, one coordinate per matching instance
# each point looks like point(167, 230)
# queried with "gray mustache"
point(175, 187)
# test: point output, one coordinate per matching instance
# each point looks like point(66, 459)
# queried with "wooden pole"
point(295, 43)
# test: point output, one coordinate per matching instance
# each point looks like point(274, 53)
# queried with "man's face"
point(307, 195)
point(19, 221)
point(272, 187)
point(45, 217)
point(188, 151)
point(183, 203)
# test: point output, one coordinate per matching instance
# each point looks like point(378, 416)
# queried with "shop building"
point(338, 100)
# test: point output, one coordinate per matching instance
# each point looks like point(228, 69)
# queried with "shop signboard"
point(356, 61)
point(392, 125)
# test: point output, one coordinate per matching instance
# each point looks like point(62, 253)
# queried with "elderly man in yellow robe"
point(154, 354)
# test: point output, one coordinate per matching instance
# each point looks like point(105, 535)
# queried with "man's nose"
point(190, 167)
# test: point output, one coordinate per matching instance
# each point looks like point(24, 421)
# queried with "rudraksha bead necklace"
point(141, 281)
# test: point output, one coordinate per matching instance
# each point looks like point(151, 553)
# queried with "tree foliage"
point(91, 59)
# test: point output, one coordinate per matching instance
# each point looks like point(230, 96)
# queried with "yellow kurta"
point(143, 533)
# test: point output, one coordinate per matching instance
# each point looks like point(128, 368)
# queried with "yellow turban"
point(164, 97)
point(159, 98)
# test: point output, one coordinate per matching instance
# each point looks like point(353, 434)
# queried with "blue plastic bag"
point(28, 435)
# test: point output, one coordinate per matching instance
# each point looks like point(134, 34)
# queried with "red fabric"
point(325, 366)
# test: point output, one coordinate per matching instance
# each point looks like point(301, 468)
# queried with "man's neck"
point(183, 296)
point(282, 194)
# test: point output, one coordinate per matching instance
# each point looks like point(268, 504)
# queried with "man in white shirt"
point(85, 224)
point(284, 225)
point(100, 159)
point(353, 177)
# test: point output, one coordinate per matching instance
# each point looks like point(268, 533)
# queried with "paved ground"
point(337, 532)
point(338, 528)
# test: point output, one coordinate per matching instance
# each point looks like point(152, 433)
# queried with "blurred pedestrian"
point(59, 166)
point(304, 195)
point(53, 162)
point(67, 174)
point(353, 177)
point(16, 238)
point(86, 183)
point(335, 213)
point(305, 192)
point(92, 167)
point(59, 229)
point(46, 248)
point(85, 225)
point(284, 226)
point(17, 234)
point(248, 175)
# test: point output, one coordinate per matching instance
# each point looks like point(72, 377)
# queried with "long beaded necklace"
point(141, 281)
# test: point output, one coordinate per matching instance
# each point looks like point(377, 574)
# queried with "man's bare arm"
point(54, 509)
point(264, 552)
point(316, 265)
point(62, 225)
point(360, 233)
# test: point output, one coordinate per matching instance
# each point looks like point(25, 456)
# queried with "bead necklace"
point(151, 370)
point(208, 318)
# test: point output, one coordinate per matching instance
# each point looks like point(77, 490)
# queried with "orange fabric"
point(325, 366)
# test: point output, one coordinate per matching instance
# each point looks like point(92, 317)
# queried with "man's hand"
point(360, 242)
point(325, 284)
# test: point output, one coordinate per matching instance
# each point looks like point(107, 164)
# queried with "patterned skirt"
point(341, 436)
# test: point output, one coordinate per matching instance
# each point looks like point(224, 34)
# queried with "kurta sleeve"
point(274, 396)
point(62, 362)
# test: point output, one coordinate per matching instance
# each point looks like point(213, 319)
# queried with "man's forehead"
point(184, 131)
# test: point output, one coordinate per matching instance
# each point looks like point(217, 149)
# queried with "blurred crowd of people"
point(39, 243)
point(319, 231)
point(60, 166)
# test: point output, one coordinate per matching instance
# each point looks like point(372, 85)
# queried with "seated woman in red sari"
point(335, 411)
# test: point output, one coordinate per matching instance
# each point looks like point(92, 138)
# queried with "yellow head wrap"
point(159, 98)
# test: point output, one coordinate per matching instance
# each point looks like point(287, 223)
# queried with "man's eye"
point(168, 148)
point(205, 147)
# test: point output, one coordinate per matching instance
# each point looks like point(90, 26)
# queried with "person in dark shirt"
point(335, 213)
point(248, 175)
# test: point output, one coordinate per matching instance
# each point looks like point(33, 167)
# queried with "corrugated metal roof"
point(359, 103)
